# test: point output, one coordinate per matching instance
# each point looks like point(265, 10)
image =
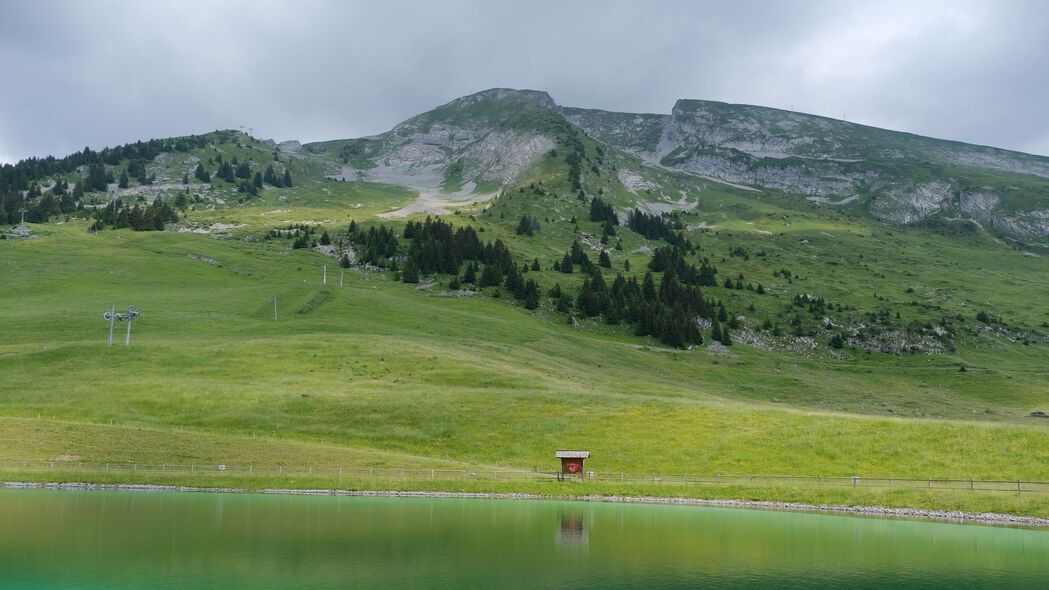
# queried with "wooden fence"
point(510, 475)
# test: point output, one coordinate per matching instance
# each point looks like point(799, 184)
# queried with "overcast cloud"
point(103, 72)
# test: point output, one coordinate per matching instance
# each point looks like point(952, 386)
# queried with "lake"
point(117, 540)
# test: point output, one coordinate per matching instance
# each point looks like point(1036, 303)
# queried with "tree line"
point(150, 217)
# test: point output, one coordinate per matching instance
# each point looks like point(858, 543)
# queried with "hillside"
point(665, 321)
point(897, 177)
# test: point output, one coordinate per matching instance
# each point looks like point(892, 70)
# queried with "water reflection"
point(573, 529)
point(93, 540)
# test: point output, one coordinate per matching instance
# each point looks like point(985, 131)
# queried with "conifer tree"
point(531, 294)
point(490, 276)
point(410, 274)
point(566, 264)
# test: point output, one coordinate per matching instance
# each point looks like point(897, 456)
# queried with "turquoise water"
point(114, 540)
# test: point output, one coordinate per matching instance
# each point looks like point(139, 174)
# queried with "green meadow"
point(380, 373)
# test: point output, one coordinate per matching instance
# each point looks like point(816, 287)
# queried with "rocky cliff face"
point(493, 137)
point(490, 138)
point(897, 177)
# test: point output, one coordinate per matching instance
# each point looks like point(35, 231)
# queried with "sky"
point(104, 72)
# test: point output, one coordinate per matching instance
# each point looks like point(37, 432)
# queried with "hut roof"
point(572, 454)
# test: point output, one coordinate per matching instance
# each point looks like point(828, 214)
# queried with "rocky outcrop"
point(911, 204)
point(496, 135)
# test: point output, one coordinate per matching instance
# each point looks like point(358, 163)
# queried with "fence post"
point(340, 472)
point(971, 484)
point(717, 478)
point(1018, 490)
point(930, 483)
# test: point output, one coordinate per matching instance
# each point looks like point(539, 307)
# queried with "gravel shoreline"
point(882, 511)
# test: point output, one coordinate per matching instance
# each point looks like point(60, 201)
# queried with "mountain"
point(491, 139)
point(481, 141)
point(515, 276)
point(893, 176)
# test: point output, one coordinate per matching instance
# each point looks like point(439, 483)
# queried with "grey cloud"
point(107, 72)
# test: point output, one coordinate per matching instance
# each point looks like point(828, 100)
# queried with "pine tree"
point(410, 274)
point(287, 178)
point(535, 265)
point(726, 336)
point(325, 239)
point(836, 341)
point(604, 260)
point(524, 227)
point(531, 294)
point(648, 289)
point(202, 174)
point(124, 180)
point(566, 265)
point(470, 276)
point(490, 276)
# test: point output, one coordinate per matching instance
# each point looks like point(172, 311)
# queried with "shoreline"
point(989, 518)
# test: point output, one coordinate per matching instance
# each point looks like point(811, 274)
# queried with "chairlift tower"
point(112, 315)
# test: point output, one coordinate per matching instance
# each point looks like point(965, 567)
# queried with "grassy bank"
point(1035, 505)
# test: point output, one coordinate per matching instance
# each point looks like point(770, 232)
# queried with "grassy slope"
point(378, 373)
point(381, 366)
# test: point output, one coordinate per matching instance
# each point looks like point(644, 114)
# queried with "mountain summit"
point(491, 139)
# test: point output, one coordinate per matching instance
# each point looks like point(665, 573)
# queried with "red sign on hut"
point(572, 462)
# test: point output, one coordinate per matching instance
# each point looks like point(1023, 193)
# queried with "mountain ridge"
point(493, 137)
